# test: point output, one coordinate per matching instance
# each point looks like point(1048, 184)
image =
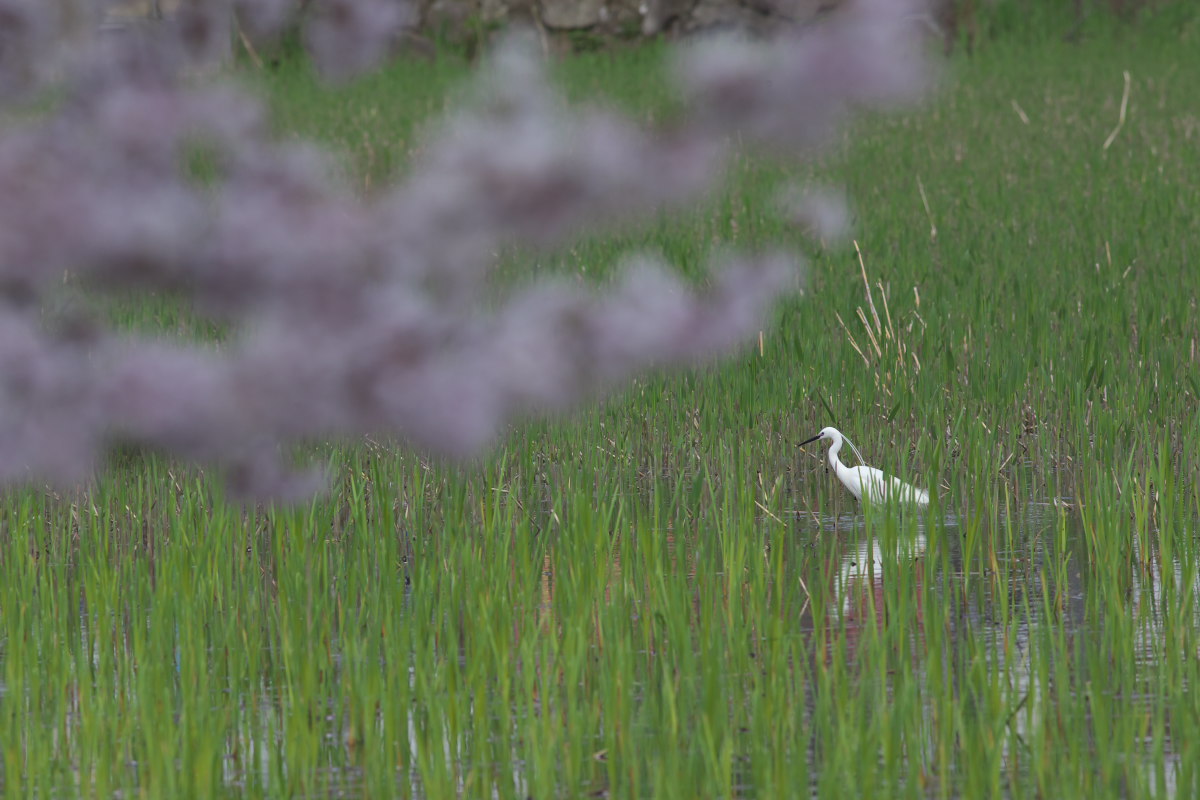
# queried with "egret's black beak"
point(808, 441)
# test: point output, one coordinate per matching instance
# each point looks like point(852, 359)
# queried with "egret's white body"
point(865, 481)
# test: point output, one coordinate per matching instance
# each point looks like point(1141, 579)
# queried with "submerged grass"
point(661, 596)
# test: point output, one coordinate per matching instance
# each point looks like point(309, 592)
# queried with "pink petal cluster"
point(348, 315)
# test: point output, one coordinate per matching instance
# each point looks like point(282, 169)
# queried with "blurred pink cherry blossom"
point(351, 315)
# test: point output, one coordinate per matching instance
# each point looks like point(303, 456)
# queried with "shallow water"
point(988, 602)
point(867, 565)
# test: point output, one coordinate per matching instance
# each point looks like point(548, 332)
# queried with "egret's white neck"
point(834, 461)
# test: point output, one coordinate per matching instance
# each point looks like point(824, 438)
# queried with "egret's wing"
point(879, 488)
point(876, 487)
point(909, 494)
point(872, 483)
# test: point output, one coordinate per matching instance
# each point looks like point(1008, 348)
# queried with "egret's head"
point(825, 434)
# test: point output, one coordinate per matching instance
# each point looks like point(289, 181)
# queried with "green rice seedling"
point(662, 596)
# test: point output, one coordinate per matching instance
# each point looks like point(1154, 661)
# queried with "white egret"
point(868, 481)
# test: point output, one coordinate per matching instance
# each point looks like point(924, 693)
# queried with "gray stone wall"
point(122, 11)
point(121, 16)
point(627, 18)
point(562, 23)
point(618, 17)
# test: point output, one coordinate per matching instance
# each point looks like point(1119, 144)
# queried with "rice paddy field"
point(663, 595)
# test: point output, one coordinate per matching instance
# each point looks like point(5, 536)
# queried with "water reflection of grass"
point(655, 597)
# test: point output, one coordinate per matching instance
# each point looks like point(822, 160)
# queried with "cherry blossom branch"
point(350, 315)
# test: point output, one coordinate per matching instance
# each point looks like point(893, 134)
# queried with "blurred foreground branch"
point(352, 316)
